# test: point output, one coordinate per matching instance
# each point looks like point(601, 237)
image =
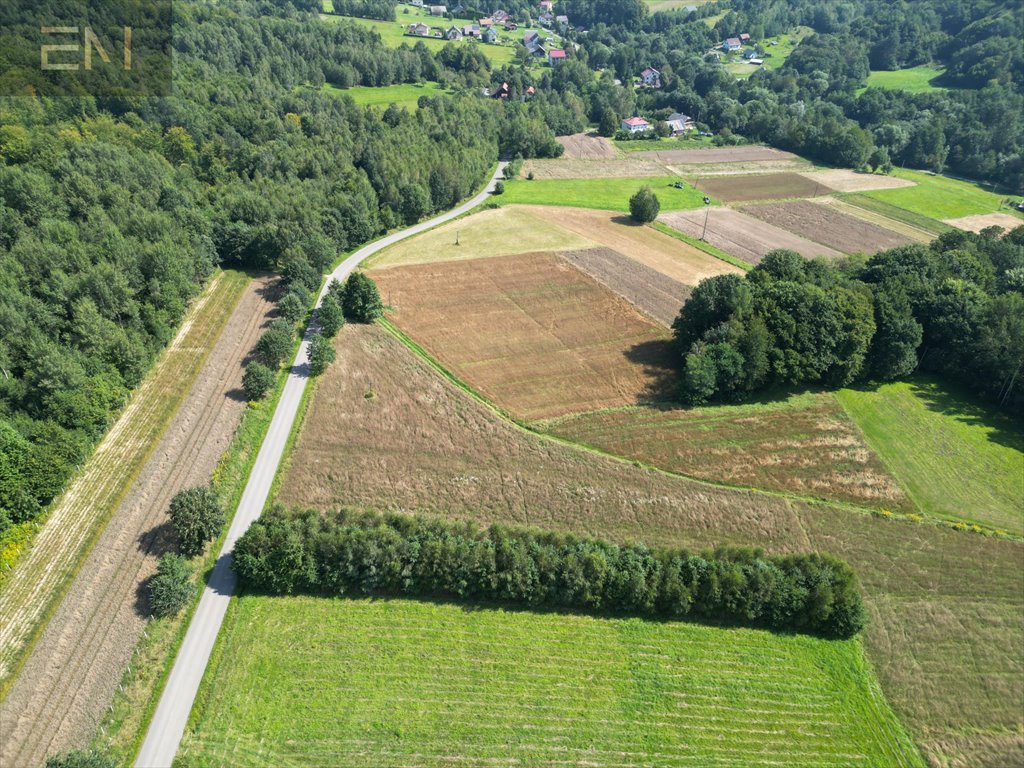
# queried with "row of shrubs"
point(348, 553)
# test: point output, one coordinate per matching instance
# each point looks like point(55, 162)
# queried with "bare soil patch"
point(664, 254)
point(766, 186)
point(656, 295)
point(589, 146)
point(828, 226)
point(531, 332)
point(844, 180)
point(742, 236)
point(60, 695)
point(718, 155)
point(981, 221)
point(563, 168)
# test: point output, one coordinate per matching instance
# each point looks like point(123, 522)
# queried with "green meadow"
point(913, 80)
point(604, 194)
point(939, 197)
point(404, 95)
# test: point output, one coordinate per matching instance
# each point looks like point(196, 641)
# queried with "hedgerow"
point(346, 553)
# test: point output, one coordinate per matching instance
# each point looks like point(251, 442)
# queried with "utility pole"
point(707, 212)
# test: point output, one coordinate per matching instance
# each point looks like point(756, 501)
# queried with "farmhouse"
point(556, 56)
point(471, 30)
point(651, 78)
point(453, 33)
point(438, 10)
point(500, 16)
point(489, 35)
point(419, 30)
point(635, 125)
point(732, 44)
point(546, 19)
point(745, 38)
point(679, 123)
point(531, 38)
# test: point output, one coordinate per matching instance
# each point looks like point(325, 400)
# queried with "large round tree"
point(644, 205)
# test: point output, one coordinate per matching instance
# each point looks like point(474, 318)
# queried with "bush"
point(321, 354)
point(257, 380)
point(197, 517)
point(330, 316)
point(499, 188)
point(275, 344)
point(644, 205)
point(360, 301)
point(81, 758)
point(348, 553)
point(171, 587)
point(292, 307)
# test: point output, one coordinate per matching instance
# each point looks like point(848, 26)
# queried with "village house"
point(750, 53)
point(511, 26)
point(744, 38)
point(531, 38)
point(556, 56)
point(546, 19)
point(679, 123)
point(547, 5)
point(438, 10)
point(489, 35)
point(419, 30)
point(471, 30)
point(562, 21)
point(635, 125)
point(651, 78)
point(488, 22)
point(500, 16)
point(453, 33)
point(732, 44)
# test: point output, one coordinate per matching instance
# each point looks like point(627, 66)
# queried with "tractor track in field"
point(70, 678)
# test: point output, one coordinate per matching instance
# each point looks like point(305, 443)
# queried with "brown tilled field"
point(718, 155)
point(531, 332)
point(588, 146)
point(826, 225)
point(900, 227)
point(765, 186)
point(947, 607)
point(564, 168)
point(657, 296)
point(805, 444)
point(58, 698)
point(742, 236)
point(664, 254)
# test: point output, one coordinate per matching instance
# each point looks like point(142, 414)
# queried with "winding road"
point(168, 724)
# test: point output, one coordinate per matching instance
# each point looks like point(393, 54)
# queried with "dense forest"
point(955, 308)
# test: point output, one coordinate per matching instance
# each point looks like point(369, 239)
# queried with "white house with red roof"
point(635, 125)
point(732, 44)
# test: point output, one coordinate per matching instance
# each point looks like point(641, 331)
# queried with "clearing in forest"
point(400, 682)
point(804, 444)
point(531, 332)
point(765, 186)
point(827, 225)
point(402, 95)
point(741, 235)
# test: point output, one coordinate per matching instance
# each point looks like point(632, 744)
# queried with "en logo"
point(89, 41)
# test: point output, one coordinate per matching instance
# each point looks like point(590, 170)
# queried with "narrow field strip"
point(406, 683)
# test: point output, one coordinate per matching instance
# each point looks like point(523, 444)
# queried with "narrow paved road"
point(169, 720)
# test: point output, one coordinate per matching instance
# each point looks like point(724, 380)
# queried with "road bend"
point(168, 724)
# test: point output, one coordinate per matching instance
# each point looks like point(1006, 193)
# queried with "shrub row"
point(348, 553)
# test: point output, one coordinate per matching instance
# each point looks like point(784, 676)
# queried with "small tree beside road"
point(257, 380)
point(171, 587)
point(321, 354)
point(197, 517)
point(360, 300)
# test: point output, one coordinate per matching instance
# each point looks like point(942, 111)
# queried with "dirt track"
point(70, 678)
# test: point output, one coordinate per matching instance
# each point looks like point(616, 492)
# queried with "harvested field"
point(588, 146)
point(592, 169)
point(61, 693)
point(742, 236)
point(657, 296)
point(828, 226)
point(981, 221)
point(494, 232)
point(844, 180)
point(664, 254)
point(717, 155)
point(805, 444)
point(420, 444)
point(765, 186)
point(531, 332)
point(904, 228)
point(383, 683)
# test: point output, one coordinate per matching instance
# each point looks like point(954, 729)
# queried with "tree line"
point(348, 553)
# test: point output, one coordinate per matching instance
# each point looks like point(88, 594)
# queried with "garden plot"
point(828, 226)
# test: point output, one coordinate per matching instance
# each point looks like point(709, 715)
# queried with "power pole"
point(707, 213)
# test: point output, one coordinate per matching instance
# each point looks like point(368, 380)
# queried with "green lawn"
point(913, 80)
point(775, 55)
point(605, 194)
point(316, 681)
point(957, 459)
point(939, 197)
point(664, 143)
point(404, 95)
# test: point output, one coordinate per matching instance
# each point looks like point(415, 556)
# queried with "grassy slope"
point(308, 680)
point(404, 95)
point(913, 80)
point(604, 194)
point(957, 459)
point(938, 197)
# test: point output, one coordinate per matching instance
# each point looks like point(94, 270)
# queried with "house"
point(679, 123)
point(502, 92)
point(453, 33)
point(750, 53)
point(562, 21)
point(489, 35)
point(511, 26)
point(471, 30)
point(556, 56)
point(744, 38)
point(635, 125)
point(438, 10)
point(732, 44)
point(530, 91)
point(651, 78)
point(531, 38)
point(546, 19)
point(419, 30)
point(488, 22)
point(547, 5)
point(500, 16)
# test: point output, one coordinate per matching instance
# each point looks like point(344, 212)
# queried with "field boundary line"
point(701, 245)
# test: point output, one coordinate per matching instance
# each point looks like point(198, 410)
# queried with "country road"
point(171, 716)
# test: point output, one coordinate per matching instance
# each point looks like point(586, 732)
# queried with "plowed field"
point(826, 225)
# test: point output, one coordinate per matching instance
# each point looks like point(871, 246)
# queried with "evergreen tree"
point(360, 301)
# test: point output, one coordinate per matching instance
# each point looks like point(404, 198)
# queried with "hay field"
point(405, 683)
point(982, 221)
point(845, 180)
point(531, 332)
point(828, 226)
point(741, 235)
point(765, 186)
point(714, 155)
point(804, 444)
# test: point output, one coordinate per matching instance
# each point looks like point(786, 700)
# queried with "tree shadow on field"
point(947, 399)
point(156, 542)
point(659, 361)
point(626, 221)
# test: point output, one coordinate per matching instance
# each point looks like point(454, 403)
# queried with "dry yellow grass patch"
point(844, 180)
point(981, 221)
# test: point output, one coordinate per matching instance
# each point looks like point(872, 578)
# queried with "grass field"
point(605, 194)
point(404, 95)
point(689, 141)
point(890, 211)
point(957, 459)
point(938, 197)
point(803, 444)
point(775, 55)
point(398, 683)
point(913, 80)
point(672, 5)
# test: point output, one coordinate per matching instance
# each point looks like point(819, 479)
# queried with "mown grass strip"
point(709, 249)
point(891, 211)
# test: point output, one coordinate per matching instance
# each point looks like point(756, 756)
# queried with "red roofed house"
point(547, 5)
point(635, 125)
point(556, 55)
point(732, 44)
point(745, 37)
point(651, 78)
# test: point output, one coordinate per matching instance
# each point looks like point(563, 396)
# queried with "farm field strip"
point(571, 168)
point(909, 231)
point(979, 222)
point(766, 186)
point(844, 180)
point(454, 691)
point(828, 226)
point(939, 197)
point(715, 155)
point(607, 194)
point(73, 671)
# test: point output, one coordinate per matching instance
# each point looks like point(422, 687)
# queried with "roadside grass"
point(883, 208)
point(307, 680)
point(958, 459)
point(913, 80)
point(604, 194)
point(32, 590)
point(938, 197)
point(404, 95)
